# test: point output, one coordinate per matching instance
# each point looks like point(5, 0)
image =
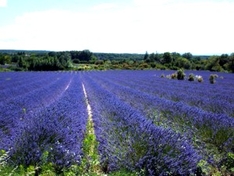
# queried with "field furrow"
point(115, 123)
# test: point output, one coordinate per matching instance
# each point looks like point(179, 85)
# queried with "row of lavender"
point(42, 114)
point(125, 95)
point(218, 98)
point(142, 122)
point(127, 139)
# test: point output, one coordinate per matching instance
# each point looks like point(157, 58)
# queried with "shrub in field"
point(191, 77)
point(199, 78)
point(212, 78)
point(173, 76)
point(168, 76)
point(180, 74)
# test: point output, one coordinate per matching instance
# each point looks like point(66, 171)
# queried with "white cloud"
point(104, 6)
point(64, 30)
point(45, 30)
point(198, 27)
point(3, 3)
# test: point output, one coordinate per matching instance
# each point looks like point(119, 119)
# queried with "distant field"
point(141, 123)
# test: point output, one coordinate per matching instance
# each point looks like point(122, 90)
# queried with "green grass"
point(90, 162)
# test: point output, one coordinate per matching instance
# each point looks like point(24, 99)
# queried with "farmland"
point(137, 123)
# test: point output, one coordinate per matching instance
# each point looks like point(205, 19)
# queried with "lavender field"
point(142, 122)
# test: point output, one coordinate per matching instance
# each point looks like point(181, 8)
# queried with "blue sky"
point(118, 26)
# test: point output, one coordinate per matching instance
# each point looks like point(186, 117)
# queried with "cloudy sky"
point(118, 26)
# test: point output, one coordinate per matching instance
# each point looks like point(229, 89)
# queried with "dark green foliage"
point(188, 56)
point(76, 61)
point(48, 60)
point(146, 56)
point(22, 63)
point(118, 56)
point(4, 59)
point(183, 63)
point(84, 55)
point(15, 58)
point(223, 60)
point(180, 74)
point(212, 78)
point(191, 77)
point(230, 64)
point(167, 57)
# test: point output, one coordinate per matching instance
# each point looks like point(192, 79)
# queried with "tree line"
point(44, 61)
point(187, 61)
point(83, 60)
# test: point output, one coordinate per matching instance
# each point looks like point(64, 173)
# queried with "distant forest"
point(24, 60)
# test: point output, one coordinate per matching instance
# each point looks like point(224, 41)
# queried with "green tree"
point(85, 55)
point(167, 57)
point(223, 59)
point(52, 54)
point(146, 56)
point(151, 57)
point(5, 59)
point(22, 63)
point(213, 64)
point(188, 56)
point(15, 58)
point(175, 55)
point(180, 74)
point(182, 62)
point(231, 63)
point(63, 56)
point(157, 57)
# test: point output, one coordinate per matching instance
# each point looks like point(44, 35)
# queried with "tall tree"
point(231, 62)
point(223, 59)
point(146, 56)
point(167, 57)
point(188, 56)
point(85, 55)
point(5, 59)
point(182, 62)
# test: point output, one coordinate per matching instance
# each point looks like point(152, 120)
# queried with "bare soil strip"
point(90, 143)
